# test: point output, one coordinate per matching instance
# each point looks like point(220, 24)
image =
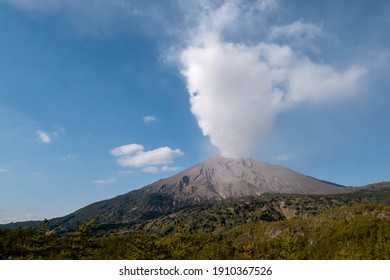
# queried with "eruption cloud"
point(236, 89)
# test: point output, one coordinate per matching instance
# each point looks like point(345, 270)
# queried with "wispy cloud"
point(69, 157)
point(150, 169)
point(170, 168)
point(150, 119)
point(43, 136)
point(297, 29)
point(125, 172)
point(283, 157)
point(47, 137)
point(3, 170)
point(97, 17)
point(36, 174)
point(104, 181)
point(165, 168)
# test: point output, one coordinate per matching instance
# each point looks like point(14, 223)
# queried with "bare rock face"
point(222, 178)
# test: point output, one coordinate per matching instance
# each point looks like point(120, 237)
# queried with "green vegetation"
point(158, 214)
point(354, 225)
point(346, 232)
point(223, 215)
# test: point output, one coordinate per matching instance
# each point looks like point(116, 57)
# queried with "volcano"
point(221, 178)
point(213, 180)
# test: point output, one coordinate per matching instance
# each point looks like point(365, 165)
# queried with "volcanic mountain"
point(216, 179)
point(221, 178)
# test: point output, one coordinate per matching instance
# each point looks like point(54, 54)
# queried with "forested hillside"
point(354, 225)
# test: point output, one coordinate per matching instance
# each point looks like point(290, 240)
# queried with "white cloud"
point(163, 155)
point(165, 168)
point(236, 89)
point(43, 136)
point(170, 168)
point(127, 149)
point(324, 84)
point(97, 17)
point(104, 181)
point(69, 157)
point(133, 155)
point(47, 137)
point(283, 157)
point(3, 170)
point(150, 169)
point(266, 5)
point(150, 118)
point(297, 29)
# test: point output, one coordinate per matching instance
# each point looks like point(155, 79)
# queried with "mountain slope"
point(222, 178)
point(216, 179)
point(347, 232)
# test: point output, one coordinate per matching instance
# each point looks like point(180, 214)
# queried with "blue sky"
point(101, 97)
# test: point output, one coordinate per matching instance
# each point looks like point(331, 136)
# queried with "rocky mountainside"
point(216, 179)
point(221, 178)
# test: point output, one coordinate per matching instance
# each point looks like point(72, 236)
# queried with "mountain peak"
point(221, 177)
point(218, 159)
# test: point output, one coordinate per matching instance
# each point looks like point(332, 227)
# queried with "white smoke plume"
point(241, 70)
point(236, 88)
